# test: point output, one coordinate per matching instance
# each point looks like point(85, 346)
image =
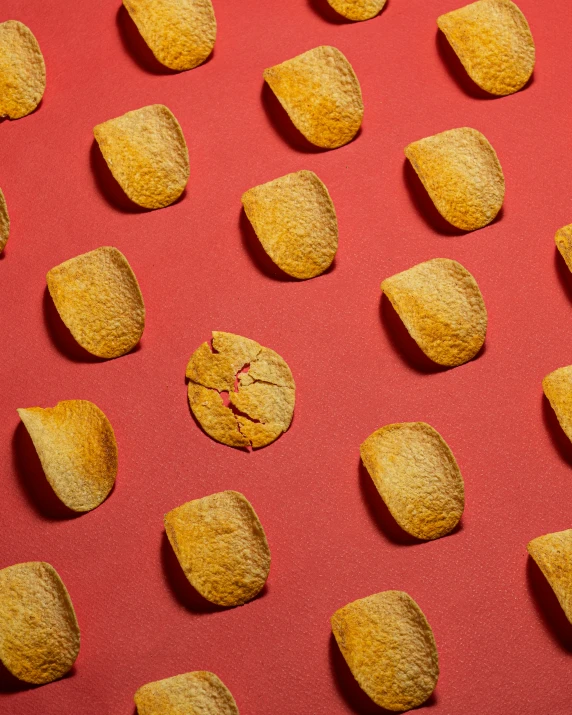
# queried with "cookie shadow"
point(459, 74)
point(60, 335)
point(557, 435)
point(32, 479)
point(547, 606)
point(563, 273)
point(278, 118)
point(423, 204)
point(403, 344)
point(9, 120)
point(108, 186)
point(112, 191)
point(380, 514)
point(179, 585)
point(9, 684)
point(136, 47)
point(425, 207)
point(262, 260)
point(346, 685)
point(185, 594)
point(327, 12)
point(456, 71)
point(258, 255)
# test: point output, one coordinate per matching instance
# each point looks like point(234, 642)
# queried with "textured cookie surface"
point(553, 554)
point(295, 221)
point(358, 9)
point(221, 546)
point(563, 240)
point(180, 33)
point(22, 70)
point(147, 154)
point(442, 307)
point(196, 693)
point(494, 43)
point(557, 387)
point(39, 634)
point(321, 94)
point(390, 649)
point(76, 446)
point(462, 174)
point(98, 298)
point(417, 476)
point(260, 400)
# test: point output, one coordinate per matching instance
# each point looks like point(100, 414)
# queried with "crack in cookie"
point(260, 399)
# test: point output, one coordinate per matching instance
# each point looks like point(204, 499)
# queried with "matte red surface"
point(504, 646)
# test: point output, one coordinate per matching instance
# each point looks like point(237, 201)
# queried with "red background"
point(503, 643)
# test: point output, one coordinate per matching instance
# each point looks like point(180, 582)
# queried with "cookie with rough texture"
point(22, 70)
point(4, 222)
point(557, 387)
point(442, 308)
point(221, 546)
point(98, 299)
point(39, 634)
point(180, 33)
point(462, 175)
point(563, 240)
point(358, 10)
point(196, 693)
point(417, 477)
point(146, 152)
point(321, 94)
point(390, 649)
point(494, 43)
point(295, 221)
point(553, 554)
point(260, 387)
point(76, 446)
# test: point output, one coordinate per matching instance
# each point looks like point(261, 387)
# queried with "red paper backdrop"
point(504, 646)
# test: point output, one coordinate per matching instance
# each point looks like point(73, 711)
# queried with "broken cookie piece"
point(260, 387)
